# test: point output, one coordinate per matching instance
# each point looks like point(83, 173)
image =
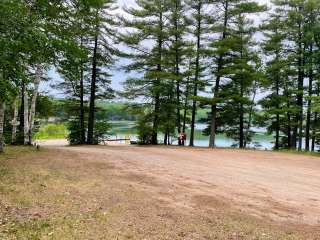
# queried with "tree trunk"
point(289, 134)
point(246, 138)
point(196, 78)
point(154, 139)
point(313, 141)
point(308, 121)
point(20, 139)
point(177, 66)
point(241, 121)
point(300, 90)
point(158, 82)
point(165, 140)
point(241, 126)
point(277, 143)
point(212, 140)
point(2, 113)
point(26, 118)
point(91, 119)
point(83, 134)
point(34, 101)
point(314, 124)
point(185, 111)
point(15, 121)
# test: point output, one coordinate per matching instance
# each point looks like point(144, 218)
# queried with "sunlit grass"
point(52, 131)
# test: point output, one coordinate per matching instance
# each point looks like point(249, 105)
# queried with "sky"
point(118, 75)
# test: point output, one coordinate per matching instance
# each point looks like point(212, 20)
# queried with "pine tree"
point(103, 56)
point(219, 45)
point(74, 64)
point(274, 104)
point(177, 55)
point(148, 25)
point(241, 74)
point(200, 25)
point(294, 12)
point(312, 15)
point(226, 13)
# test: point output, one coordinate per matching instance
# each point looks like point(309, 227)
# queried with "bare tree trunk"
point(313, 139)
point(212, 139)
point(241, 125)
point(177, 66)
point(15, 120)
point(25, 118)
point(197, 74)
point(314, 124)
point(301, 60)
point(246, 138)
point(82, 112)
point(91, 119)
point(310, 92)
point(155, 124)
point(185, 111)
point(2, 111)
point(32, 112)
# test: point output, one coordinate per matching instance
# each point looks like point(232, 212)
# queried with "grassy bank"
point(52, 131)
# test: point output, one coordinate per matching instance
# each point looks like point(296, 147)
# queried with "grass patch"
point(296, 152)
point(33, 229)
point(52, 131)
point(4, 172)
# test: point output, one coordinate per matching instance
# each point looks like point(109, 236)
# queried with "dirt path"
point(283, 187)
point(131, 192)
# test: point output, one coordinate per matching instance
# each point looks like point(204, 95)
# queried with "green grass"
point(52, 131)
point(314, 154)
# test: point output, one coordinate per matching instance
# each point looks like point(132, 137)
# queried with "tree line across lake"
point(249, 64)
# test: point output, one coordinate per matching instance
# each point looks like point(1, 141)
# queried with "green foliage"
point(144, 131)
point(101, 131)
point(74, 129)
point(114, 111)
point(52, 131)
point(44, 107)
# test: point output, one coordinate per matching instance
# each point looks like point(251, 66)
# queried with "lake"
point(261, 140)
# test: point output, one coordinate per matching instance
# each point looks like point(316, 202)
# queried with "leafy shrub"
point(101, 130)
point(74, 136)
point(144, 130)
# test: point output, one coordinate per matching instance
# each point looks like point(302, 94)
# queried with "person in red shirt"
point(182, 138)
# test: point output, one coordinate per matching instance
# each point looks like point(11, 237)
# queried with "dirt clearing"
point(126, 192)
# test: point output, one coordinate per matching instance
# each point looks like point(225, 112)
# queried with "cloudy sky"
point(131, 2)
point(118, 76)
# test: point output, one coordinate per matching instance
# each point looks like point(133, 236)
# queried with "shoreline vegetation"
point(120, 129)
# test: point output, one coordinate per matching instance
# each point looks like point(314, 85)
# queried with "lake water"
point(260, 140)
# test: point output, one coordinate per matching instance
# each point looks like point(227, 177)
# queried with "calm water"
point(127, 129)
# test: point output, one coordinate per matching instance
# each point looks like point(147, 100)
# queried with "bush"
point(74, 136)
point(101, 130)
point(144, 130)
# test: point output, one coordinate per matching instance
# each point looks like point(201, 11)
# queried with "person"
point(184, 138)
point(180, 139)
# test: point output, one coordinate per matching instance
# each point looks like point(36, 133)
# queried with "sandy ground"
point(274, 191)
point(282, 187)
